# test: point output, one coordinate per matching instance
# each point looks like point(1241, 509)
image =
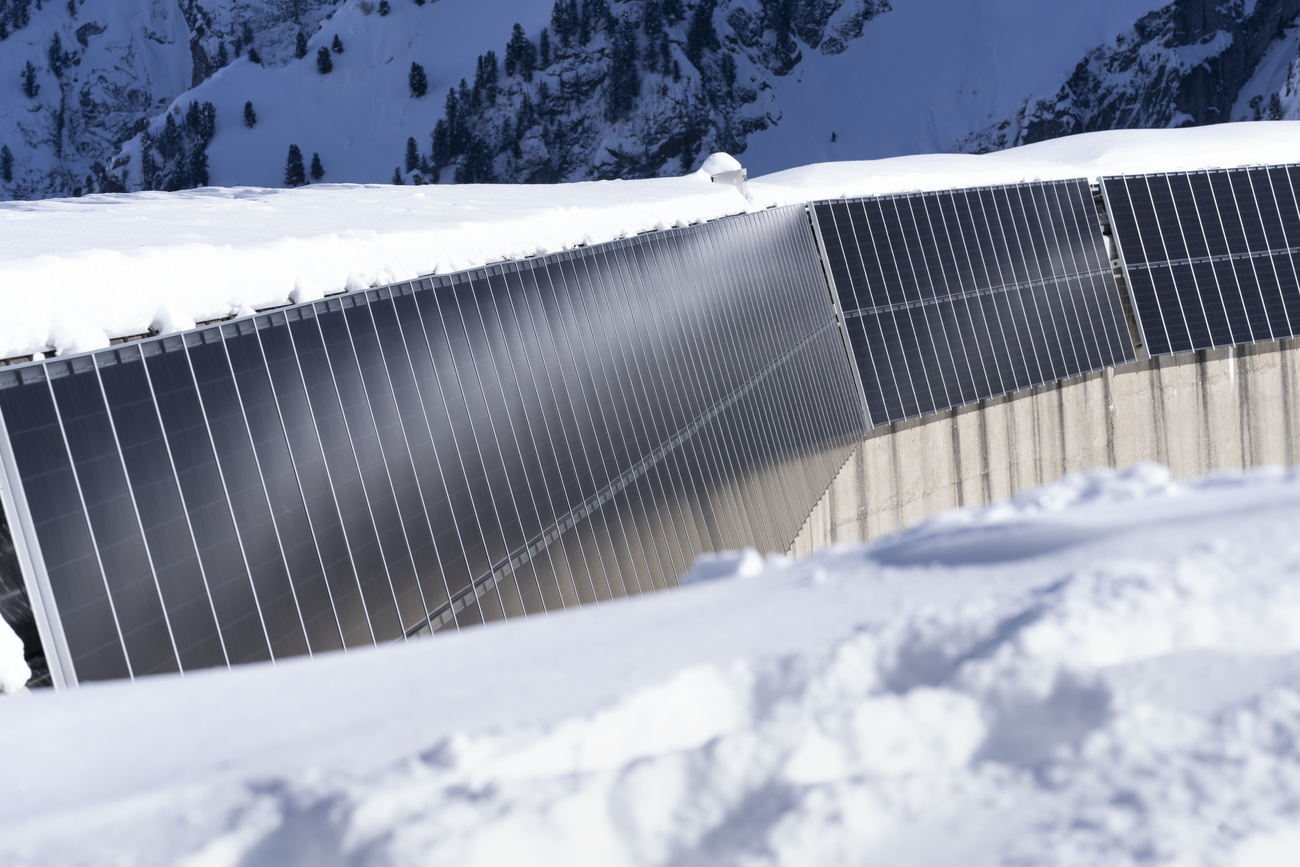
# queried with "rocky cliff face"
point(631, 88)
point(100, 70)
point(106, 95)
point(1182, 65)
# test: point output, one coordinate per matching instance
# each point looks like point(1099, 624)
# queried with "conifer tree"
point(544, 48)
point(1275, 111)
point(6, 164)
point(521, 55)
point(250, 116)
point(412, 155)
point(337, 46)
point(58, 58)
point(652, 23)
point(295, 174)
point(674, 11)
point(397, 178)
point(624, 82)
point(30, 85)
point(253, 56)
point(418, 81)
point(198, 175)
point(384, 8)
point(701, 35)
point(223, 56)
point(324, 63)
point(300, 49)
point(317, 170)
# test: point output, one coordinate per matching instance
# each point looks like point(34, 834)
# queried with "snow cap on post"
point(726, 169)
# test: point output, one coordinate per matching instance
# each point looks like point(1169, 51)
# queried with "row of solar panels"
point(952, 297)
point(500, 443)
point(578, 427)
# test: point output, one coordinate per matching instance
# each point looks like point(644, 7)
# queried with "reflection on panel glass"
point(1212, 258)
point(501, 443)
point(957, 296)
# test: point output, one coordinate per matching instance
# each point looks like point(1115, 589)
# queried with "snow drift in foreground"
point(76, 272)
point(1103, 671)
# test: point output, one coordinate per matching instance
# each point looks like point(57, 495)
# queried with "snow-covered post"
point(726, 169)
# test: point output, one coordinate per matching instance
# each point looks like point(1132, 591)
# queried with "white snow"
point(76, 272)
point(930, 72)
point(14, 672)
point(1103, 671)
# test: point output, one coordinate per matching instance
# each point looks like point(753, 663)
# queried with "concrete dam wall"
point(1197, 412)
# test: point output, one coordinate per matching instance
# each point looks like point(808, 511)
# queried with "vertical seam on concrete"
point(1288, 383)
point(895, 472)
point(986, 469)
point(1061, 421)
point(1243, 408)
point(956, 460)
point(1108, 393)
point(1208, 447)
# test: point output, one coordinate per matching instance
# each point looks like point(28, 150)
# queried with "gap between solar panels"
point(953, 297)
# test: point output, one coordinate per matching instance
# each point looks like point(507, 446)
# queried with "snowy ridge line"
point(978, 293)
point(444, 614)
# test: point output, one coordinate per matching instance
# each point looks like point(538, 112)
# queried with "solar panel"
point(957, 296)
point(1210, 256)
point(496, 443)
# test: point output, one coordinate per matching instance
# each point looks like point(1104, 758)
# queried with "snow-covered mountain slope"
point(589, 89)
point(101, 69)
point(76, 272)
point(928, 73)
point(1193, 62)
point(1104, 671)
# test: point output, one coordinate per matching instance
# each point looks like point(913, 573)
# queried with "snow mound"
point(1088, 155)
point(1125, 692)
point(718, 163)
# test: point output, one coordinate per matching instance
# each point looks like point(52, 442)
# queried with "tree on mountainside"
point(521, 55)
point(295, 174)
point(337, 46)
point(397, 178)
point(412, 155)
point(384, 8)
point(324, 63)
point(57, 56)
point(624, 83)
point(418, 81)
point(253, 56)
point(701, 36)
point(30, 86)
point(300, 47)
point(6, 164)
point(250, 116)
point(317, 170)
point(223, 56)
point(1275, 110)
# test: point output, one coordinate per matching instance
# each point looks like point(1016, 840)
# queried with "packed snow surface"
point(1102, 671)
point(76, 272)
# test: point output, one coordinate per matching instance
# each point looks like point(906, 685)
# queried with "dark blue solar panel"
point(1211, 256)
point(958, 296)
